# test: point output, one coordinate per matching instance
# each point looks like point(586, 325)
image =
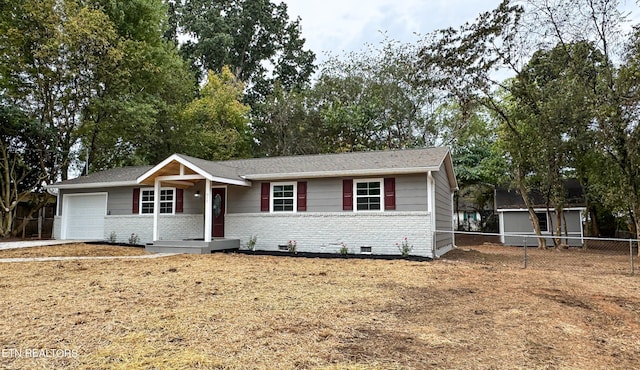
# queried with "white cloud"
point(345, 25)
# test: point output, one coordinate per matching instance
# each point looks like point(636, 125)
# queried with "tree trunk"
point(542, 243)
point(637, 225)
point(558, 232)
point(42, 201)
point(566, 229)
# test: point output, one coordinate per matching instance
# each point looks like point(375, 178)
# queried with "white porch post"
point(156, 208)
point(208, 210)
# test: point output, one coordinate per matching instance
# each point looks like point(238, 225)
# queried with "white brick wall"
point(322, 232)
point(57, 227)
point(175, 227)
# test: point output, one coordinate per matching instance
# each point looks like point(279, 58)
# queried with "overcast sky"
point(346, 25)
point(337, 26)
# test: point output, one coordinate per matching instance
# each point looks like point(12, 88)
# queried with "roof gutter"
point(111, 184)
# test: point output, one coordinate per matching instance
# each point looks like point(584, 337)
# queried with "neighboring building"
point(515, 223)
point(367, 200)
point(468, 214)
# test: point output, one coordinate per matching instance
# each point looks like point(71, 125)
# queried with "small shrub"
point(404, 247)
point(344, 250)
point(134, 239)
point(113, 237)
point(251, 243)
point(291, 246)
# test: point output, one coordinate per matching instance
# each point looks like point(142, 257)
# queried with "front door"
point(219, 209)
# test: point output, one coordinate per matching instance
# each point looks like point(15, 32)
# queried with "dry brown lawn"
point(476, 308)
point(70, 250)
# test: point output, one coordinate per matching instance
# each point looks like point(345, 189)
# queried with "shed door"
point(83, 216)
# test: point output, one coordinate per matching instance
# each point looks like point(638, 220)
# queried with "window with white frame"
point(283, 197)
point(167, 200)
point(368, 194)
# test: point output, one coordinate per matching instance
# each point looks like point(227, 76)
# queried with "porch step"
point(192, 246)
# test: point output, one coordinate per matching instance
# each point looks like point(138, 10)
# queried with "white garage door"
point(84, 216)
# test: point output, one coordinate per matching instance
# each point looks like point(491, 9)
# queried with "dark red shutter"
point(302, 195)
point(264, 197)
point(390, 193)
point(347, 195)
point(179, 200)
point(135, 207)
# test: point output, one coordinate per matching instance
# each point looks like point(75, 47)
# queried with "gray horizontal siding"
point(325, 195)
point(443, 208)
point(120, 199)
point(518, 221)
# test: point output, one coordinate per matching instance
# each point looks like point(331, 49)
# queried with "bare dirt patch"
point(475, 309)
point(72, 250)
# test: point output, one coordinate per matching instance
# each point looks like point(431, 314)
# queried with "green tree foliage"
point(288, 123)
point(559, 56)
point(136, 117)
point(370, 100)
point(248, 36)
point(618, 135)
point(217, 122)
point(51, 53)
point(100, 74)
point(23, 142)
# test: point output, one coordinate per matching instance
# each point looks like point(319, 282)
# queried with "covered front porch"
point(189, 175)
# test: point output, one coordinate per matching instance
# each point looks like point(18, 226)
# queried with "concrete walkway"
point(48, 259)
point(36, 243)
point(43, 243)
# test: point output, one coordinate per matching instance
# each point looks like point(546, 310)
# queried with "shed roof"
point(511, 199)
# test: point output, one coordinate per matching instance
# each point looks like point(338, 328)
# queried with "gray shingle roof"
point(342, 162)
point(114, 175)
point(321, 165)
point(511, 199)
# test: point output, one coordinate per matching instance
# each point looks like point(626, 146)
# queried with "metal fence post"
point(525, 252)
point(631, 255)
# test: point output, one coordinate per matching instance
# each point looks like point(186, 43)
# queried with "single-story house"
point(367, 201)
point(515, 222)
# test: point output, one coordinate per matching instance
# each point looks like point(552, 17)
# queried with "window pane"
point(374, 204)
point(283, 198)
point(147, 208)
point(147, 195)
point(166, 207)
point(368, 196)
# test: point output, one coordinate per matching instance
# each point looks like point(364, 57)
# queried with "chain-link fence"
point(586, 254)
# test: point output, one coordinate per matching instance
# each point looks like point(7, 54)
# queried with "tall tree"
point(23, 146)
point(370, 100)
point(618, 132)
point(255, 38)
point(51, 52)
point(217, 123)
point(465, 62)
point(135, 118)
point(288, 123)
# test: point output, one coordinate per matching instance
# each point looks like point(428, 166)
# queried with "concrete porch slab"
point(192, 246)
